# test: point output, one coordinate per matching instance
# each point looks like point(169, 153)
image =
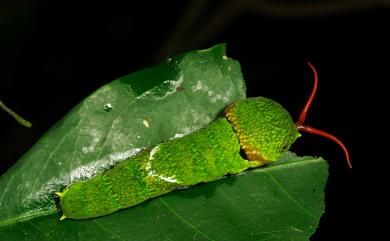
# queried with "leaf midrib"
point(288, 165)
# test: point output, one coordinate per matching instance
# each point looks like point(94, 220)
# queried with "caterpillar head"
point(266, 130)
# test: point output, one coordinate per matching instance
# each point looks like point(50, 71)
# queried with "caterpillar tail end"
point(60, 195)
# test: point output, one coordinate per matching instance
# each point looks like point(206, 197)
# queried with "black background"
point(53, 54)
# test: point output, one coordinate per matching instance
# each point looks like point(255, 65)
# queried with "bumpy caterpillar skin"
point(259, 126)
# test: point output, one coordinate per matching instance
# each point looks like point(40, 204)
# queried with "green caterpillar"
point(260, 127)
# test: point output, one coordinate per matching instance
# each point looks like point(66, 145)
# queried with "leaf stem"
point(17, 117)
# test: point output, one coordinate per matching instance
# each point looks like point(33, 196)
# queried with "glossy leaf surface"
point(142, 109)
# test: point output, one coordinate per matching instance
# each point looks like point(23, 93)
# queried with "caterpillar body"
point(259, 127)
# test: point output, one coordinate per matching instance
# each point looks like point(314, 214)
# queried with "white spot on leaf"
point(95, 135)
point(155, 93)
point(200, 86)
point(214, 97)
point(146, 123)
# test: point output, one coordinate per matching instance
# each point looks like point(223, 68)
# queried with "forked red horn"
point(302, 117)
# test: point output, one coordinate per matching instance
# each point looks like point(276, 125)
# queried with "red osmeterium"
point(301, 120)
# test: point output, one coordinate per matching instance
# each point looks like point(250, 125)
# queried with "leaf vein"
point(41, 230)
point(239, 209)
point(51, 154)
point(108, 230)
point(107, 135)
point(9, 182)
point(184, 220)
point(287, 165)
point(290, 196)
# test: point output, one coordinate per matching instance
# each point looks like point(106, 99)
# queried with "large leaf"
point(142, 109)
point(138, 110)
point(280, 202)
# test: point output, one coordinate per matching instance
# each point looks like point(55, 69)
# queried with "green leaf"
point(282, 201)
point(279, 202)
